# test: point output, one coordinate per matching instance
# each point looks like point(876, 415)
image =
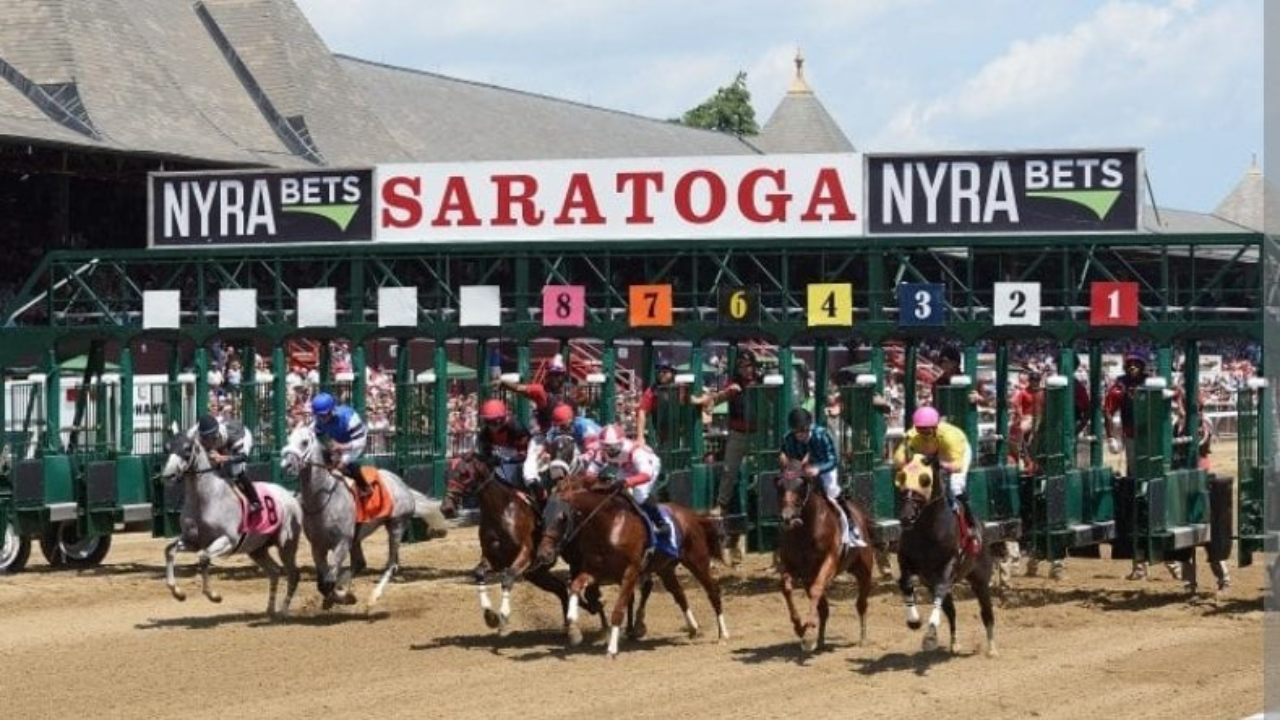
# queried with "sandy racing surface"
point(113, 643)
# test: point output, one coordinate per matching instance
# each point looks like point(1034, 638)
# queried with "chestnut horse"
point(509, 531)
point(811, 551)
point(930, 549)
point(604, 540)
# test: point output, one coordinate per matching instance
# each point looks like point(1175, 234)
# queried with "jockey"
point(545, 395)
point(634, 466)
point(932, 437)
point(503, 441)
point(343, 428)
point(229, 444)
point(564, 422)
point(811, 446)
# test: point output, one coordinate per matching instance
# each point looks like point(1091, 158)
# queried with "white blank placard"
point(481, 305)
point(238, 308)
point(160, 309)
point(397, 306)
point(1017, 303)
point(317, 307)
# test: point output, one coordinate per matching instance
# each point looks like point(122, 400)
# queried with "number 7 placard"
point(650, 306)
point(1113, 304)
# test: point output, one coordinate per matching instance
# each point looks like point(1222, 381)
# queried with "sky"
point(1180, 79)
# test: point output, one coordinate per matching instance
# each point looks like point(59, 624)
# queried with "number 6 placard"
point(1113, 304)
point(1016, 303)
point(564, 305)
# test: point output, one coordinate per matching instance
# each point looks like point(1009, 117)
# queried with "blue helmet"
point(322, 404)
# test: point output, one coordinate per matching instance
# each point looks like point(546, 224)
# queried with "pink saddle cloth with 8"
point(264, 522)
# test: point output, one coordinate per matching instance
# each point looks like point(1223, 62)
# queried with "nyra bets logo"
point(1068, 192)
point(214, 209)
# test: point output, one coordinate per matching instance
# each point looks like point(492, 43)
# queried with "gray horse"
point(212, 524)
point(329, 518)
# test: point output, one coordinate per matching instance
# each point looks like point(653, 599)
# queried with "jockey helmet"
point(561, 414)
point(207, 425)
point(664, 363)
point(322, 404)
point(611, 441)
point(493, 409)
point(1133, 360)
point(799, 419)
point(556, 366)
point(925, 417)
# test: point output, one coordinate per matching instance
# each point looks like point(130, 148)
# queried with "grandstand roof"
point(801, 123)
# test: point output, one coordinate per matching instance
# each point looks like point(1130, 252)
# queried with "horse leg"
point(289, 559)
point(824, 612)
point(217, 548)
point(541, 577)
point(861, 570)
point(636, 628)
point(930, 642)
point(788, 590)
point(982, 591)
point(949, 609)
point(170, 558)
point(817, 592)
point(626, 590)
point(576, 588)
point(672, 584)
point(908, 590)
point(358, 563)
point(394, 531)
point(481, 576)
point(700, 568)
point(269, 566)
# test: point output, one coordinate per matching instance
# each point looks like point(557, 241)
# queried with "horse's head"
point(182, 455)
point(793, 492)
point(461, 478)
point(563, 452)
point(301, 447)
point(555, 528)
point(918, 485)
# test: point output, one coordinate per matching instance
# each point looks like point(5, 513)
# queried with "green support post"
point(1096, 392)
point(52, 405)
point(202, 376)
point(249, 389)
point(609, 393)
point(909, 385)
point(523, 365)
point(1002, 402)
point(820, 383)
point(879, 421)
point(326, 364)
point(440, 417)
point(358, 382)
point(1067, 367)
point(1191, 400)
point(788, 400)
point(126, 401)
point(403, 404)
point(279, 395)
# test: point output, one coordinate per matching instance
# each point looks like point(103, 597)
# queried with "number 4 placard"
point(564, 305)
point(830, 304)
point(1017, 303)
point(1113, 304)
point(650, 305)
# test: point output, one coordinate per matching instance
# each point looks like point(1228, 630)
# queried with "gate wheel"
point(62, 546)
point(15, 550)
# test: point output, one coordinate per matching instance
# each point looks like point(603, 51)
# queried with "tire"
point(15, 550)
point(62, 546)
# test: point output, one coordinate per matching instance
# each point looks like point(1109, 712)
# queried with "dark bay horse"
point(930, 550)
point(603, 539)
point(509, 532)
point(811, 552)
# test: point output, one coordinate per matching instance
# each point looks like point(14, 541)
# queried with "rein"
point(577, 527)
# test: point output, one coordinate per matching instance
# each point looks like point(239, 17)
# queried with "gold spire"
point(798, 85)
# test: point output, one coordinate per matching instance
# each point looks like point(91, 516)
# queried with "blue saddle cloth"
point(667, 543)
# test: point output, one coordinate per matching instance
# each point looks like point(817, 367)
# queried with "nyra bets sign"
point(746, 196)
point(1036, 192)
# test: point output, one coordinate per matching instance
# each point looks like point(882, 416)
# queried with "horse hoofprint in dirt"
point(329, 517)
point(214, 523)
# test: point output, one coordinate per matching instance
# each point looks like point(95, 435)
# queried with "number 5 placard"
point(650, 306)
point(564, 305)
point(1113, 304)
point(1016, 304)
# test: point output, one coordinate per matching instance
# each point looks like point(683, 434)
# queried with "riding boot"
point(973, 543)
point(250, 492)
point(660, 526)
point(363, 489)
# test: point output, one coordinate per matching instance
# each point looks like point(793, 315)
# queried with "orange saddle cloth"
point(379, 504)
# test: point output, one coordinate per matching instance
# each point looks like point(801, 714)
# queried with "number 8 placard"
point(1016, 303)
point(564, 305)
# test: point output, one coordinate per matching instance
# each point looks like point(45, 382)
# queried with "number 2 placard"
point(650, 305)
point(1113, 304)
point(1016, 303)
point(564, 305)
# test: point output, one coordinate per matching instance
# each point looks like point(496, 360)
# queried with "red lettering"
point(640, 183)
point(401, 210)
point(777, 201)
point(580, 196)
point(509, 196)
point(829, 191)
point(457, 199)
point(715, 201)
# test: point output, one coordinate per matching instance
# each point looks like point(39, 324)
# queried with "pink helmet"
point(925, 417)
point(611, 440)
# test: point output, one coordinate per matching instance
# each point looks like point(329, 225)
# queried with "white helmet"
point(611, 440)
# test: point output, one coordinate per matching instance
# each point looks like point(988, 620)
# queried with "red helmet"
point(493, 409)
point(925, 417)
point(561, 414)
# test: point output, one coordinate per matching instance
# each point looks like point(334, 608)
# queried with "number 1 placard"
point(564, 305)
point(650, 306)
point(1016, 303)
point(1113, 304)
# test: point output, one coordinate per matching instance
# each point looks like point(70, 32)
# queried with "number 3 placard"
point(1017, 303)
point(1113, 304)
point(650, 305)
point(564, 305)
point(922, 304)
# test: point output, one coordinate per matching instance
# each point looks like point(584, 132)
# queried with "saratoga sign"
point(753, 196)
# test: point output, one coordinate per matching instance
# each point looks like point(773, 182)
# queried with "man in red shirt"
point(656, 400)
point(741, 427)
point(1027, 405)
point(545, 395)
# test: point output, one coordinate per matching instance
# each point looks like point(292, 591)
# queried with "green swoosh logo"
point(1099, 201)
point(339, 215)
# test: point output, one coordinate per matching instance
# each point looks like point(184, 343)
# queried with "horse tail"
point(428, 508)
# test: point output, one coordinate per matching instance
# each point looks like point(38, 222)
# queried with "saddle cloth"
point(667, 544)
point(379, 503)
point(264, 522)
point(849, 535)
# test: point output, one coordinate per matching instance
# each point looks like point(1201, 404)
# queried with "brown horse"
point(603, 538)
point(811, 551)
point(930, 549)
point(508, 537)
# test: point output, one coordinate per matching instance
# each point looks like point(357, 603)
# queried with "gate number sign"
point(650, 306)
point(830, 305)
point(1016, 303)
point(739, 305)
point(1113, 304)
point(564, 305)
point(921, 304)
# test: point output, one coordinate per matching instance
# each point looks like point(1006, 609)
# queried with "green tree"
point(729, 110)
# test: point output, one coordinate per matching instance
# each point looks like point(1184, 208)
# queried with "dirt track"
point(112, 642)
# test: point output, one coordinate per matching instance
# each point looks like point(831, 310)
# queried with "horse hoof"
point(930, 644)
point(348, 599)
point(992, 652)
point(575, 636)
point(491, 619)
point(639, 631)
point(214, 598)
point(808, 645)
point(693, 632)
point(915, 625)
point(328, 603)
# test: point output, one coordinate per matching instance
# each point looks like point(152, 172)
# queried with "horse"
point(509, 533)
point(604, 539)
point(214, 523)
point(329, 518)
point(811, 551)
point(929, 548)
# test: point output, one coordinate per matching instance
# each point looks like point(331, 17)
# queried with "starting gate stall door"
point(1252, 414)
point(670, 429)
point(159, 405)
point(864, 473)
point(758, 493)
point(415, 432)
point(992, 490)
point(41, 482)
